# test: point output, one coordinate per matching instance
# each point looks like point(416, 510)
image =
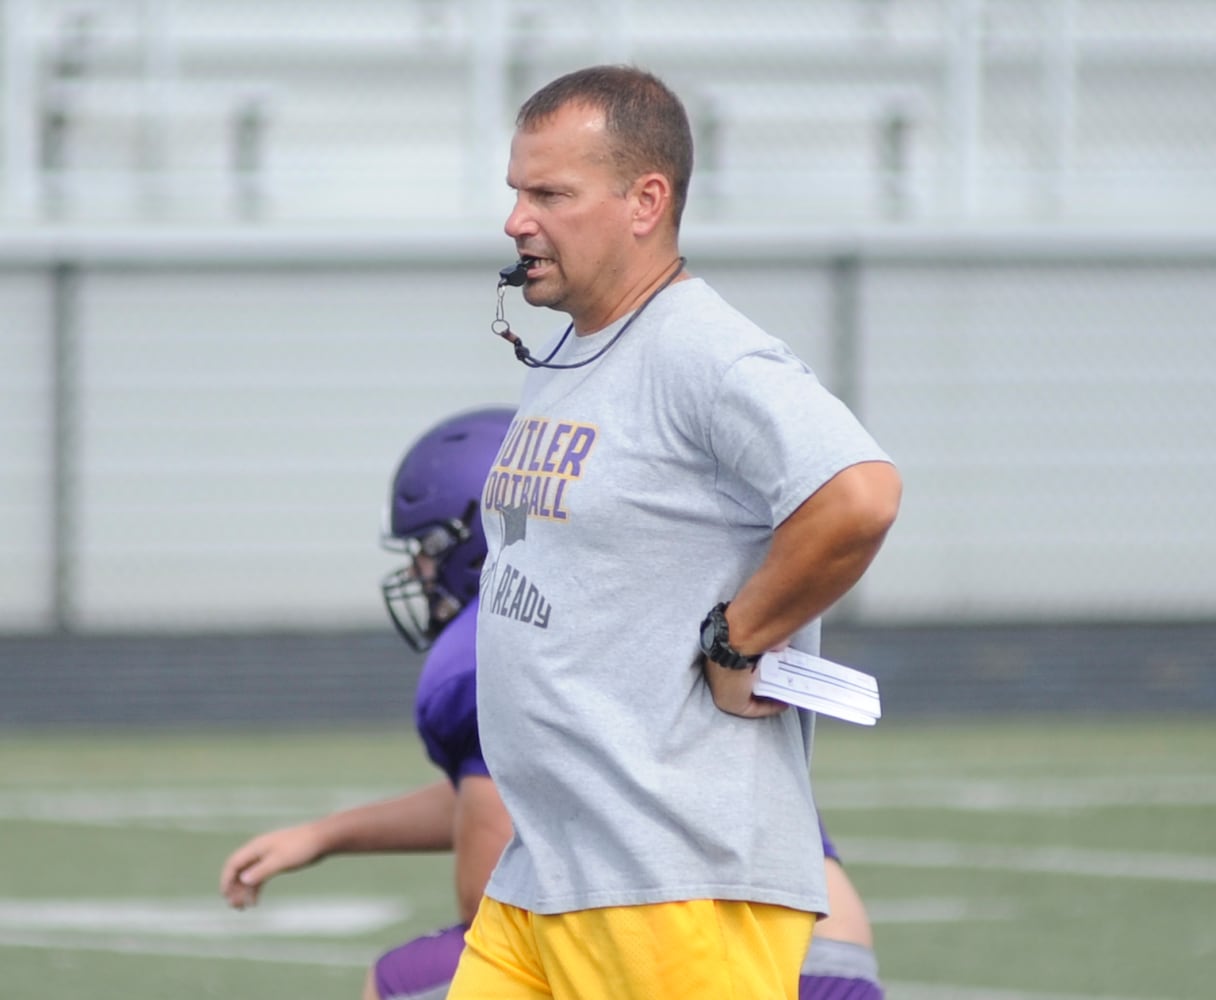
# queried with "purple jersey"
point(829, 849)
point(445, 704)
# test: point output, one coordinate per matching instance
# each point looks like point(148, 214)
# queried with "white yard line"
point(938, 910)
point(177, 806)
point(1014, 794)
point(344, 916)
point(899, 853)
point(288, 953)
point(203, 918)
point(934, 991)
point(247, 807)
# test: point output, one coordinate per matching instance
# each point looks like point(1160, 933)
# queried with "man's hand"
point(732, 692)
point(250, 865)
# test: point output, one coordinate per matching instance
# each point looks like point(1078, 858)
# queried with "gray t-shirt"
point(629, 497)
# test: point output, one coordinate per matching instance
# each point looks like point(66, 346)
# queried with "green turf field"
point(1045, 860)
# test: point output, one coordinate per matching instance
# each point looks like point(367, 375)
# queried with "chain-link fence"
point(388, 110)
point(199, 434)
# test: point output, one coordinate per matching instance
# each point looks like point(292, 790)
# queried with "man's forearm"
point(818, 553)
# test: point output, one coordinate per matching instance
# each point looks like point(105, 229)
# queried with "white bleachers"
point(395, 111)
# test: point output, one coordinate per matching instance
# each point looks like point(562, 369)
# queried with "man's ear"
point(651, 202)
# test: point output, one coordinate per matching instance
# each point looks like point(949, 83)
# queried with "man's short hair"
point(646, 123)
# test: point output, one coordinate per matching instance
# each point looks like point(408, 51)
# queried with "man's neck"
point(655, 277)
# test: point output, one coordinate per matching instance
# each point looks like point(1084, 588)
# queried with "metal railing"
point(164, 111)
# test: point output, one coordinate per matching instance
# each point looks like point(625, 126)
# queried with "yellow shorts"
point(701, 949)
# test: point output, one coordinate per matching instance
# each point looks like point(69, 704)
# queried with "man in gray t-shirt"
point(676, 494)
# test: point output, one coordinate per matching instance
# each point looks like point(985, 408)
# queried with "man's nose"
point(518, 222)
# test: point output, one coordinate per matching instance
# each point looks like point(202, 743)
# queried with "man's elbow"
point(876, 490)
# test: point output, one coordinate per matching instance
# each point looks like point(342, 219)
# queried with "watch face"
point(707, 635)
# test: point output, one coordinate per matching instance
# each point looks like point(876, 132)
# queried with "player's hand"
point(249, 866)
point(732, 692)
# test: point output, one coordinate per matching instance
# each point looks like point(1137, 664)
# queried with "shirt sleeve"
point(778, 435)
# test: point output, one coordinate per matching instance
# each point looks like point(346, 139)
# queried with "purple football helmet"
point(433, 516)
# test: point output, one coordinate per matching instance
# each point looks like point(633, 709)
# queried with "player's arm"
point(848, 920)
point(817, 554)
point(418, 821)
point(481, 831)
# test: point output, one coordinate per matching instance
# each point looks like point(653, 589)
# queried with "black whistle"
point(513, 274)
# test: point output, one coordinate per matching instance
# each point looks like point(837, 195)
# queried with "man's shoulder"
point(698, 323)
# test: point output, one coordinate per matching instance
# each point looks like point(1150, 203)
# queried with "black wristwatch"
point(715, 641)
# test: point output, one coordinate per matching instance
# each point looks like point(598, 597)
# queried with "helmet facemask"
point(417, 599)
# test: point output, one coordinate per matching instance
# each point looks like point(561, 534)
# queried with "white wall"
point(26, 447)
point(241, 401)
point(1058, 428)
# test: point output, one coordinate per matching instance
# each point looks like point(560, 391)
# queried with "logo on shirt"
point(514, 523)
point(537, 465)
point(513, 595)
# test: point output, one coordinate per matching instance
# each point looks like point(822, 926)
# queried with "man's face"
point(572, 213)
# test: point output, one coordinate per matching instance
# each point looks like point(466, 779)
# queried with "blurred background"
point(248, 251)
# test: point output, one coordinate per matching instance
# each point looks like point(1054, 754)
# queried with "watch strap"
point(719, 648)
